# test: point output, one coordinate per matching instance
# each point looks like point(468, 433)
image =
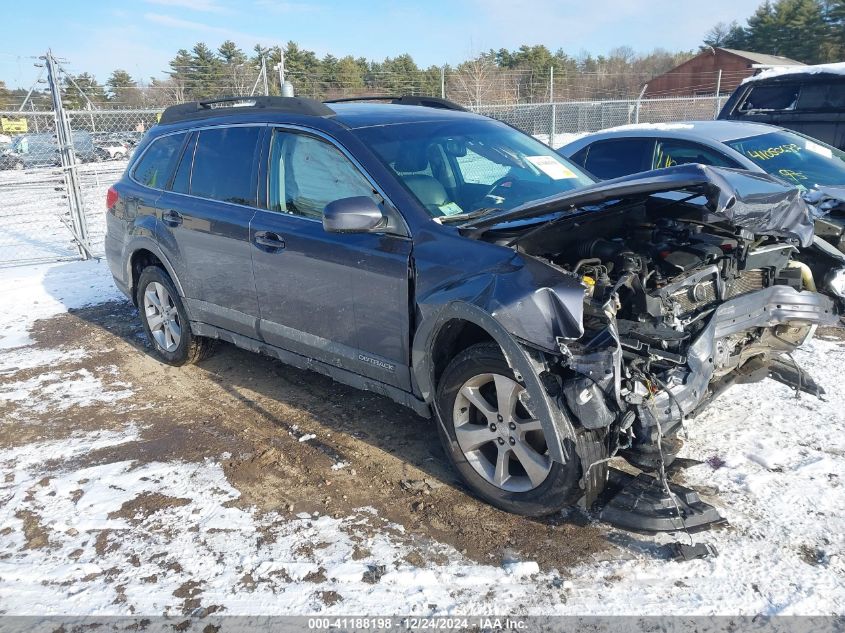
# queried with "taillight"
point(111, 198)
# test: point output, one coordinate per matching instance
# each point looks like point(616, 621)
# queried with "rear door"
point(206, 213)
point(341, 299)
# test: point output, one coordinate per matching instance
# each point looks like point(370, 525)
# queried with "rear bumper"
point(770, 307)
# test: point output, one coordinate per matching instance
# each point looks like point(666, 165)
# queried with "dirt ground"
point(284, 430)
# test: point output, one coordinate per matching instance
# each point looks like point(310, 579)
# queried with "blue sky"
point(142, 35)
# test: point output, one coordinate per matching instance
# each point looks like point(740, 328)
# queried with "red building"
point(700, 75)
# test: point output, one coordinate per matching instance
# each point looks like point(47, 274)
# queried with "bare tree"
point(478, 81)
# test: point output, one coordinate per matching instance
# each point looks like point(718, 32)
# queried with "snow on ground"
point(774, 465)
point(34, 211)
point(28, 293)
point(561, 138)
point(776, 472)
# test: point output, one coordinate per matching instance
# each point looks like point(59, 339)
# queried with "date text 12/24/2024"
point(412, 623)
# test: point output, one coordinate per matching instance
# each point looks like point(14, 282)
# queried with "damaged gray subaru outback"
point(464, 269)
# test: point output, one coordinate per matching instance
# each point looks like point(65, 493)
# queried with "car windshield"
point(454, 168)
point(795, 158)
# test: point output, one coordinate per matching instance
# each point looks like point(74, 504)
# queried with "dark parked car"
point(807, 99)
point(465, 270)
point(42, 150)
point(812, 166)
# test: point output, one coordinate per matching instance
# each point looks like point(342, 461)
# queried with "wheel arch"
point(146, 253)
point(458, 325)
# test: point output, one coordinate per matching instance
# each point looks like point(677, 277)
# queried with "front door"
point(341, 299)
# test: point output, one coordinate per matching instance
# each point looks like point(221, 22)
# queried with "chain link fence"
point(37, 223)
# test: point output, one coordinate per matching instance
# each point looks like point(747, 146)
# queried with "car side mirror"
point(358, 214)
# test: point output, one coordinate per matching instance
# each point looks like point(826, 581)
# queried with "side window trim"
point(264, 172)
point(189, 146)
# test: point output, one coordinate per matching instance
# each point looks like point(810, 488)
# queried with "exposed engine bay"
point(677, 307)
point(650, 287)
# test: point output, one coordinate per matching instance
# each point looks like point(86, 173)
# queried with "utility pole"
point(553, 106)
point(718, 91)
point(442, 82)
point(638, 104)
point(64, 138)
point(264, 76)
point(285, 88)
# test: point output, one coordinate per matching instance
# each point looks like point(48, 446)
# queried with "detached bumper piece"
point(640, 503)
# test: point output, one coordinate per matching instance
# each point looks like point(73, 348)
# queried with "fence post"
point(637, 106)
point(718, 92)
point(553, 106)
point(64, 138)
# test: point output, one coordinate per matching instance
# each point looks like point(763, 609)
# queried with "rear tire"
point(477, 398)
point(166, 322)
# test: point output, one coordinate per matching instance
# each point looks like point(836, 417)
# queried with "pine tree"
point(122, 89)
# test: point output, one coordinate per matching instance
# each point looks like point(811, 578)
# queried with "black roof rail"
point(238, 105)
point(417, 100)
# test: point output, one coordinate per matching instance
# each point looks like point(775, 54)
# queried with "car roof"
point(298, 110)
point(719, 131)
point(362, 114)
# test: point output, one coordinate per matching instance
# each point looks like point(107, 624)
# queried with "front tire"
point(493, 441)
point(166, 322)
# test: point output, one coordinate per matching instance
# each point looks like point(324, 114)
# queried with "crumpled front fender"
point(526, 307)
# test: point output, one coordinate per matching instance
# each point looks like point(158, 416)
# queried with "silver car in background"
point(806, 163)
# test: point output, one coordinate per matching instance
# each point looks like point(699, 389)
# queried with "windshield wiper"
point(446, 219)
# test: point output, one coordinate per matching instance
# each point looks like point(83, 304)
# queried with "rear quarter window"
point(157, 163)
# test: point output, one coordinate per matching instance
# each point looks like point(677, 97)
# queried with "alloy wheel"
point(500, 438)
point(162, 317)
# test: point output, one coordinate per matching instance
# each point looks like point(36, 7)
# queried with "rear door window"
point(616, 158)
point(157, 163)
point(225, 165)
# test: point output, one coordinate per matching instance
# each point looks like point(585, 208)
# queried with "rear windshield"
point(794, 158)
point(457, 167)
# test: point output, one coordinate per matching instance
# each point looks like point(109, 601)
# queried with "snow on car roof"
point(652, 126)
point(717, 130)
point(833, 69)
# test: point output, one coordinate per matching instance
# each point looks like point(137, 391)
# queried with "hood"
point(752, 201)
point(824, 199)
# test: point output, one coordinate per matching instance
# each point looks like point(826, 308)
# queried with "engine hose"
point(806, 275)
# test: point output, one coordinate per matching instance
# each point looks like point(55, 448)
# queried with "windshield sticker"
point(450, 208)
point(551, 167)
point(818, 149)
point(772, 152)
